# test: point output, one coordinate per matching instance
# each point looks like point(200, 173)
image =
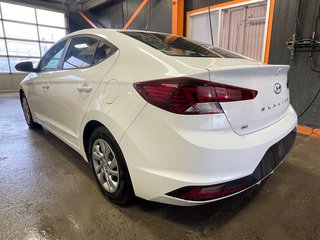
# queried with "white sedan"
point(162, 117)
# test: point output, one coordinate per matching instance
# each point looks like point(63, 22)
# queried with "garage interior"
point(48, 192)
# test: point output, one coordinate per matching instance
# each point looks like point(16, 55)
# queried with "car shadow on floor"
point(195, 222)
point(219, 212)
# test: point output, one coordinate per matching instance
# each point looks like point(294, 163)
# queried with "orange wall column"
point(177, 17)
point(268, 43)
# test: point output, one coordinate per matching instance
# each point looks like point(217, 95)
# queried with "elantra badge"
point(277, 88)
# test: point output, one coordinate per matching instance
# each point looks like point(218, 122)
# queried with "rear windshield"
point(173, 45)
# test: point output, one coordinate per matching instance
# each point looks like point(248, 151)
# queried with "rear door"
point(86, 62)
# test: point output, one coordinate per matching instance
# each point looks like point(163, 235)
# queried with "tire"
point(109, 167)
point(27, 113)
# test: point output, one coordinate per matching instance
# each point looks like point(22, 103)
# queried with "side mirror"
point(24, 67)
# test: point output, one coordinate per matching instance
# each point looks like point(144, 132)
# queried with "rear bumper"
point(270, 161)
point(162, 156)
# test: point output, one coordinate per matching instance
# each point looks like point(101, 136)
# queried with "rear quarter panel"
point(116, 103)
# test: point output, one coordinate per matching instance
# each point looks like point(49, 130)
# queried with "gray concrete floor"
point(48, 192)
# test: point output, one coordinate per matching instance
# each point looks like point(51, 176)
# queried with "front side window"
point(80, 52)
point(51, 60)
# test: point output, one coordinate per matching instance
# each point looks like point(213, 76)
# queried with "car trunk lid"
point(267, 107)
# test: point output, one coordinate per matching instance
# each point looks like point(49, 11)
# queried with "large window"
point(240, 27)
point(26, 33)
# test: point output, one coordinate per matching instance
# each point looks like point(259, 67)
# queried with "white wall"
point(240, 27)
point(200, 27)
point(11, 82)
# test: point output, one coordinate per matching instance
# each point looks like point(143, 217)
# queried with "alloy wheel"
point(105, 165)
point(26, 110)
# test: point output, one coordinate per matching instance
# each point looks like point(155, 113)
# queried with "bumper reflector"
point(204, 193)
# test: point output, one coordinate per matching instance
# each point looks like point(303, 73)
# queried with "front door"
point(39, 83)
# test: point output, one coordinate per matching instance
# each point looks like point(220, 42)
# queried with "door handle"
point(45, 86)
point(84, 89)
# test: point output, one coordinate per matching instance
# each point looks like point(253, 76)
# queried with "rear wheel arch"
point(87, 131)
point(93, 129)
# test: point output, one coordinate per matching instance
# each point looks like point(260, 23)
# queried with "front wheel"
point(109, 167)
point(27, 113)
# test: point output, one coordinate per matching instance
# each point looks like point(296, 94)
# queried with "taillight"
point(191, 96)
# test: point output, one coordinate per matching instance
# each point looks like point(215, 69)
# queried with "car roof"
point(97, 31)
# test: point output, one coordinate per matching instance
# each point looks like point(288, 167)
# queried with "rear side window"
point(80, 53)
point(173, 45)
point(103, 51)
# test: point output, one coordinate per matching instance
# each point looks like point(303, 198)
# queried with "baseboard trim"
point(313, 132)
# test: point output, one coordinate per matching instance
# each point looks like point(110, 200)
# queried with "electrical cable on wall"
point(314, 37)
point(122, 15)
point(307, 108)
point(296, 26)
point(148, 16)
point(210, 23)
point(314, 42)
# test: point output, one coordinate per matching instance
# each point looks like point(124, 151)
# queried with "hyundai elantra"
point(160, 116)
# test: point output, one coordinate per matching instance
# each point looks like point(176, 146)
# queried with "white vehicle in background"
point(162, 117)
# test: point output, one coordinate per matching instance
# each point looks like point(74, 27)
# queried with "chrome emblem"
point(277, 88)
point(275, 105)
